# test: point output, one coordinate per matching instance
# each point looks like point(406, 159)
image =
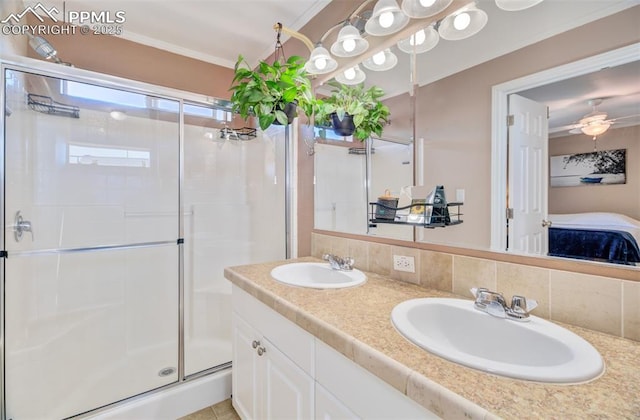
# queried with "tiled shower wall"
point(598, 303)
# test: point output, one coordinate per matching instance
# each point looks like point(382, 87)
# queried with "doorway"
point(500, 110)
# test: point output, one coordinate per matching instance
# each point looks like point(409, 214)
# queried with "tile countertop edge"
point(422, 390)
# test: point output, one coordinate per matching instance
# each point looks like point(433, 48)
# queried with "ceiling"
point(217, 31)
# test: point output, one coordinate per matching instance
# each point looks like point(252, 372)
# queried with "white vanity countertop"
point(356, 322)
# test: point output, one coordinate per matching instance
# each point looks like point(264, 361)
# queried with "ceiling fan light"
point(516, 5)
point(424, 8)
point(351, 76)
point(596, 128)
point(320, 61)
point(349, 42)
point(463, 23)
point(413, 44)
point(382, 61)
point(387, 18)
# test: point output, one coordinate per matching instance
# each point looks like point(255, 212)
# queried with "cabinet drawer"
point(364, 393)
point(290, 339)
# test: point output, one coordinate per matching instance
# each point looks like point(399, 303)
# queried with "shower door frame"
point(47, 69)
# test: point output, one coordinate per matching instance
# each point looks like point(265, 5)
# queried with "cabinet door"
point(288, 390)
point(245, 375)
point(328, 407)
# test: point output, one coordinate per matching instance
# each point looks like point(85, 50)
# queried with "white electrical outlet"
point(404, 263)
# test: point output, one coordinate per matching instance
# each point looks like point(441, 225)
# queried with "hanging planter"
point(290, 109)
point(353, 110)
point(262, 91)
point(344, 126)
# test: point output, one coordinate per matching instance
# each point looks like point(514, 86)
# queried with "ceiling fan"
point(594, 123)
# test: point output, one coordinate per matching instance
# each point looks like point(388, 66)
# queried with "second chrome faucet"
point(337, 263)
point(495, 304)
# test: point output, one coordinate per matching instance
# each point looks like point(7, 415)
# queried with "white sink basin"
point(317, 276)
point(537, 350)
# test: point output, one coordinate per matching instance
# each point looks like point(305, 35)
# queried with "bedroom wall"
point(618, 198)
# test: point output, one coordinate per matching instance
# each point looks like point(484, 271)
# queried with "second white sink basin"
point(537, 350)
point(317, 276)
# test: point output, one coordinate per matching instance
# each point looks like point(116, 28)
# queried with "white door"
point(528, 176)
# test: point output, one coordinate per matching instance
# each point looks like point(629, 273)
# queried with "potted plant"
point(271, 92)
point(353, 110)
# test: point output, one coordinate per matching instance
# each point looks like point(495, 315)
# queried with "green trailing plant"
point(266, 90)
point(369, 114)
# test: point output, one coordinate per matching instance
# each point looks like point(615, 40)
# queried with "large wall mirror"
point(455, 123)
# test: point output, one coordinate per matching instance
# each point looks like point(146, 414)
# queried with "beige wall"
point(12, 44)
point(120, 57)
point(454, 117)
point(620, 198)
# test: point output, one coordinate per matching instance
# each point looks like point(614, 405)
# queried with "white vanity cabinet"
point(272, 375)
point(280, 371)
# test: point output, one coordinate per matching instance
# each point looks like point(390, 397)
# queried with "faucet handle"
point(523, 305)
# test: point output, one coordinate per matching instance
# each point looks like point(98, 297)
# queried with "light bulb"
point(350, 74)
point(427, 3)
point(320, 63)
point(349, 45)
point(462, 21)
point(418, 38)
point(386, 19)
point(379, 58)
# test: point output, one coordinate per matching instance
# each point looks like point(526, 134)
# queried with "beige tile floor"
point(221, 411)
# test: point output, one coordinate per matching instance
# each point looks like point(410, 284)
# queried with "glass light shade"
point(382, 61)
point(596, 128)
point(424, 8)
point(386, 19)
point(477, 19)
point(516, 5)
point(352, 76)
point(349, 34)
point(422, 41)
point(320, 61)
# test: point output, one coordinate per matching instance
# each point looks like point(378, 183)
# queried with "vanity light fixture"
point(424, 8)
point(320, 61)
point(422, 41)
point(349, 42)
point(516, 5)
point(351, 76)
point(381, 61)
point(387, 18)
point(463, 23)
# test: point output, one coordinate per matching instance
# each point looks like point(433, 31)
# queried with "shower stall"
point(122, 203)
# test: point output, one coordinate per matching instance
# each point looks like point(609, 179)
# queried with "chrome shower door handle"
point(21, 226)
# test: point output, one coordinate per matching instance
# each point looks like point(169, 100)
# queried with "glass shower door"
point(91, 227)
point(234, 206)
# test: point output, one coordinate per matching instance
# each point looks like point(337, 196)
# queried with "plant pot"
point(344, 127)
point(291, 111)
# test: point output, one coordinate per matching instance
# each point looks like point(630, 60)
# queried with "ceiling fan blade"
point(624, 118)
point(564, 128)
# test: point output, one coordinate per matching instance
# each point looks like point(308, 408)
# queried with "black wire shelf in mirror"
point(425, 215)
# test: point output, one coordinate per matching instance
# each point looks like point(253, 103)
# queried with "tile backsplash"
point(598, 303)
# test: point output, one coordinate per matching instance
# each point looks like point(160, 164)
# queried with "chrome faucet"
point(337, 263)
point(495, 304)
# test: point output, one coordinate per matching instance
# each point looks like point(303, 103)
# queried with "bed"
point(607, 237)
